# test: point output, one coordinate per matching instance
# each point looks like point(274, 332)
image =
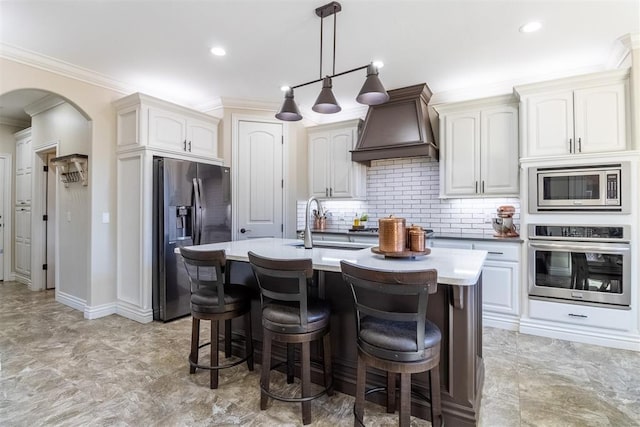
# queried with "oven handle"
point(598, 247)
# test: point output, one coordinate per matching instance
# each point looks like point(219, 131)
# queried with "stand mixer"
point(503, 225)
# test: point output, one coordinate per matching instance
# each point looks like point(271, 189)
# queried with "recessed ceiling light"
point(530, 27)
point(218, 51)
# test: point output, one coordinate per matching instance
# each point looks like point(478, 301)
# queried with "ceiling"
point(459, 48)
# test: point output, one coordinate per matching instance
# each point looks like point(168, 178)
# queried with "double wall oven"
point(580, 263)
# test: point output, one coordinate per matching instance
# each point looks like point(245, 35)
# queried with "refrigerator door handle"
point(200, 205)
point(196, 213)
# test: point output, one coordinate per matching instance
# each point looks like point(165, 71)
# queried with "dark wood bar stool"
point(214, 298)
point(290, 316)
point(396, 339)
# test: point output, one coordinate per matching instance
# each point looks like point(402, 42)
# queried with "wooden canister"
point(416, 239)
point(392, 234)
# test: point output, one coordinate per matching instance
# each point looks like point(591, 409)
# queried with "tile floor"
point(56, 368)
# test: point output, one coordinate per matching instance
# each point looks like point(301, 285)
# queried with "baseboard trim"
point(544, 329)
point(99, 311)
point(70, 300)
point(24, 280)
point(501, 322)
point(132, 312)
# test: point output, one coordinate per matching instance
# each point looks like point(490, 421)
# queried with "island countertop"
point(460, 267)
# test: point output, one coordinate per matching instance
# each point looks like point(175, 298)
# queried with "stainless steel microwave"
point(584, 188)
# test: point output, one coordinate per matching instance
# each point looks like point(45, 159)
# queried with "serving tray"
point(403, 254)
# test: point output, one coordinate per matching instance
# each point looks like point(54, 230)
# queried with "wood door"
point(600, 123)
point(260, 180)
point(462, 157)
point(499, 150)
point(167, 130)
point(202, 138)
point(550, 124)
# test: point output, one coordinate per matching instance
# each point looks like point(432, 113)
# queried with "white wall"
point(96, 102)
point(69, 127)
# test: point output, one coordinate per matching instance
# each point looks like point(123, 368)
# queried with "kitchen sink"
point(348, 246)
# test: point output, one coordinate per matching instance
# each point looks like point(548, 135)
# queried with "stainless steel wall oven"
point(582, 264)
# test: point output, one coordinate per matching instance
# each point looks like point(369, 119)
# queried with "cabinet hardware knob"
point(482, 187)
point(189, 146)
point(476, 186)
point(244, 230)
point(330, 192)
point(185, 145)
point(496, 253)
point(582, 316)
point(570, 141)
point(579, 145)
point(326, 192)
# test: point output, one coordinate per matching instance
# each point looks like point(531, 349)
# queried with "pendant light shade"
point(372, 92)
point(326, 102)
point(289, 111)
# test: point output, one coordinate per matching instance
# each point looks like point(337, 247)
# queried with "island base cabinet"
point(457, 310)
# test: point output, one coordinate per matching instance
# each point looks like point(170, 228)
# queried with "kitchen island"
point(456, 308)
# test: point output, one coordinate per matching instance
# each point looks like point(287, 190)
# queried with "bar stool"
point(399, 342)
point(290, 316)
point(216, 299)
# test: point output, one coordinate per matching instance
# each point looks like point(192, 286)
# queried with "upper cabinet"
point(332, 174)
point(574, 116)
point(144, 121)
point(23, 167)
point(479, 148)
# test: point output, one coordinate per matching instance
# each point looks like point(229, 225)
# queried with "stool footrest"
point(296, 399)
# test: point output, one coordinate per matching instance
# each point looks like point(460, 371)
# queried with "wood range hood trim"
point(399, 128)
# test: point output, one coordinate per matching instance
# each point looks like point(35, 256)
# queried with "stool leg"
point(195, 343)
point(291, 357)
point(391, 392)
point(405, 399)
point(248, 336)
point(361, 379)
point(227, 338)
point(306, 381)
point(214, 354)
point(266, 368)
point(434, 394)
point(326, 358)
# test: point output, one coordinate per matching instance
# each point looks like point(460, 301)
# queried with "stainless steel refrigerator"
point(192, 206)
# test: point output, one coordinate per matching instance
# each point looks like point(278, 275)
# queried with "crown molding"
point(8, 121)
point(44, 104)
point(47, 63)
point(238, 103)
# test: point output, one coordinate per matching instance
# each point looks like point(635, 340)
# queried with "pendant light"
point(372, 92)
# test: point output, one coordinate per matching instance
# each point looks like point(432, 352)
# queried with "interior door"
point(2, 216)
point(50, 212)
point(260, 180)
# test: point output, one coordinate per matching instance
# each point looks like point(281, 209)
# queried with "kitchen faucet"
point(308, 241)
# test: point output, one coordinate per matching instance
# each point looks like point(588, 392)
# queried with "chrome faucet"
point(308, 241)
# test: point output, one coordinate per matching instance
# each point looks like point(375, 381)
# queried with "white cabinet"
point(144, 121)
point(500, 279)
point(479, 148)
point(332, 174)
point(575, 116)
point(23, 167)
point(23, 241)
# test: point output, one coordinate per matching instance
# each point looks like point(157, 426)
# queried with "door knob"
point(244, 230)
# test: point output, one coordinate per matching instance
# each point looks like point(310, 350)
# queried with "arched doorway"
point(58, 224)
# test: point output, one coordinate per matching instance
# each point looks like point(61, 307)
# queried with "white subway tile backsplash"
point(410, 188)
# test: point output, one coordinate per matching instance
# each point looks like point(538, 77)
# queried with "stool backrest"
point(284, 280)
point(373, 288)
point(205, 270)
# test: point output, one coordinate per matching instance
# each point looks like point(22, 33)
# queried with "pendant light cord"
point(321, 37)
point(335, 14)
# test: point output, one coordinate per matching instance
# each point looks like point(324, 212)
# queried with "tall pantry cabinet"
point(22, 248)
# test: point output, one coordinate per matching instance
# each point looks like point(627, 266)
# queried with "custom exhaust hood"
point(398, 128)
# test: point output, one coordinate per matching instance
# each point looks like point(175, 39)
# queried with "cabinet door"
point(499, 281)
point(23, 188)
point(319, 157)
point(461, 146)
point(550, 124)
point(499, 151)
point(340, 166)
point(167, 130)
point(202, 138)
point(600, 114)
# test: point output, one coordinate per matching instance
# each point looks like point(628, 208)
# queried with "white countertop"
point(455, 266)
